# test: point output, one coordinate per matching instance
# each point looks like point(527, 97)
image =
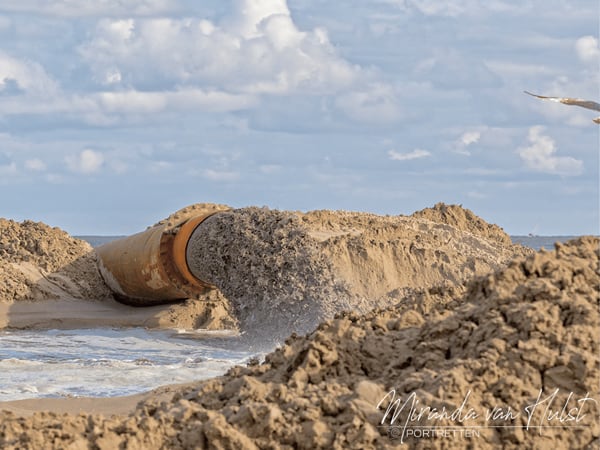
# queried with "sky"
point(115, 113)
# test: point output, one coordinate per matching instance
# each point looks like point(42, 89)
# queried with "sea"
point(539, 242)
point(106, 362)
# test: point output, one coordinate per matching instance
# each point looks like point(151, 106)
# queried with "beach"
point(349, 312)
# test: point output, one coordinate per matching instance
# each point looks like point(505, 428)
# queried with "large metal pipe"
point(150, 268)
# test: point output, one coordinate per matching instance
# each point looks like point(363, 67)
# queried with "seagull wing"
point(583, 103)
point(570, 101)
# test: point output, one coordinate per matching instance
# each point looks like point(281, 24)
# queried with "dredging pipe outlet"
point(150, 267)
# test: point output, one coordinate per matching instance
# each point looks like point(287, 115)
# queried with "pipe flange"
point(173, 249)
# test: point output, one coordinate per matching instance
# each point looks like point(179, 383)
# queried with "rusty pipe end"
point(150, 267)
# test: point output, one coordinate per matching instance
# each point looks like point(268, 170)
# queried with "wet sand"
point(76, 313)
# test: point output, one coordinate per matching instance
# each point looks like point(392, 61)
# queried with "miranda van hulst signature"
point(549, 411)
point(408, 415)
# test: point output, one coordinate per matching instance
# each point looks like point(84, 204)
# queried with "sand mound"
point(38, 262)
point(464, 219)
point(211, 311)
point(287, 271)
point(381, 256)
point(528, 327)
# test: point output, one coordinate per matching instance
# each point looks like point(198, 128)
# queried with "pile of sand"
point(464, 219)
point(38, 262)
point(210, 311)
point(530, 326)
point(286, 272)
point(382, 256)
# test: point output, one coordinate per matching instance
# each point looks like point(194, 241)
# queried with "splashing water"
point(109, 362)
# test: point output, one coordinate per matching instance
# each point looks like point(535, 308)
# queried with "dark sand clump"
point(531, 325)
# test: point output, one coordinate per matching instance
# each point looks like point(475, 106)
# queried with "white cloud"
point(250, 15)
point(468, 138)
point(78, 8)
point(112, 76)
point(147, 66)
point(107, 108)
point(258, 50)
point(25, 76)
point(35, 164)
point(86, 162)
point(540, 155)
point(133, 101)
point(415, 154)
point(587, 49)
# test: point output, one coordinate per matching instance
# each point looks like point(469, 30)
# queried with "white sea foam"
point(107, 362)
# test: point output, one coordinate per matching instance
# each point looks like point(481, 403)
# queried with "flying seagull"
point(572, 101)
